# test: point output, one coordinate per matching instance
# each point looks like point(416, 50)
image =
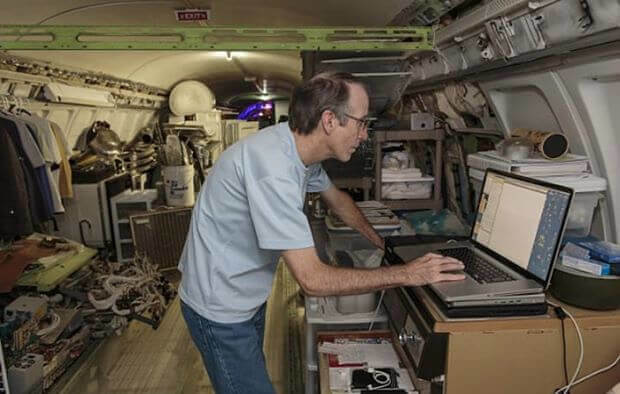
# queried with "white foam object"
point(191, 97)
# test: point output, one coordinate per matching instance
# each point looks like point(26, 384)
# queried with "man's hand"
point(432, 268)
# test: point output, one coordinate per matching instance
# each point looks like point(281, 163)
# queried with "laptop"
point(513, 245)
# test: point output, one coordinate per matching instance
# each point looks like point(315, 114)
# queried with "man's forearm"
point(345, 281)
point(319, 279)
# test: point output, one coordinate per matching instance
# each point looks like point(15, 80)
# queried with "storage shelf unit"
point(319, 318)
point(124, 205)
point(437, 135)
point(364, 183)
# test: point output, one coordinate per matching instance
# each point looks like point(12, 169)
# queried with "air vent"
point(160, 235)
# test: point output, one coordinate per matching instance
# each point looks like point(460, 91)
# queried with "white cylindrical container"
point(179, 184)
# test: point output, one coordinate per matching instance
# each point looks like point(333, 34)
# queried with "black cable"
point(564, 351)
point(561, 315)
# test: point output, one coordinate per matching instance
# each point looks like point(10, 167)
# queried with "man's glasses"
point(361, 122)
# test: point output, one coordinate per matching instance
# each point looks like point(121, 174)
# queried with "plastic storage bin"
point(351, 240)
point(581, 212)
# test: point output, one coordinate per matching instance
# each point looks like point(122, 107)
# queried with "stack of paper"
point(377, 214)
point(536, 166)
point(572, 171)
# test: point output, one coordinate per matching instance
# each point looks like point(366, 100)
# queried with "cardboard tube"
point(550, 145)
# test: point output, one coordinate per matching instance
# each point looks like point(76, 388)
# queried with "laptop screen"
point(521, 221)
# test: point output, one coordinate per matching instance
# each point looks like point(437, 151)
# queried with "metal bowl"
point(585, 290)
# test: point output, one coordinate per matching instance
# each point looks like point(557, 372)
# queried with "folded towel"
point(394, 171)
point(406, 190)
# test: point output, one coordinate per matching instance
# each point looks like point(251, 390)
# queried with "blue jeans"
point(231, 352)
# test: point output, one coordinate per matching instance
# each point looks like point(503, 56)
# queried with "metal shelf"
point(474, 130)
point(127, 203)
point(437, 135)
point(408, 135)
point(428, 203)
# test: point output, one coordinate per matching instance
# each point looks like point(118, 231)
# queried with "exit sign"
point(192, 15)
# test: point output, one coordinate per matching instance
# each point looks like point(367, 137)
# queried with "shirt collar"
point(286, 131)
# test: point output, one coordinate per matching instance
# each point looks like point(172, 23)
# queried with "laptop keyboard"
point(479, 269)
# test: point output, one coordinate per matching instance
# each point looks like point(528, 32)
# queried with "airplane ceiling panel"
point(164, 69)
point(272, 13)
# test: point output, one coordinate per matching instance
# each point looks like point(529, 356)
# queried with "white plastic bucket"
point(179, 184)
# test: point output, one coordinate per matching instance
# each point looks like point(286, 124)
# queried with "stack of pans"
point(140, 158)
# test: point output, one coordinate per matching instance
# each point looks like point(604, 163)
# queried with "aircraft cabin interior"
point(148, 151)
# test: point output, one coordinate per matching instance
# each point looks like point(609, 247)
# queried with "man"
point(250, 212)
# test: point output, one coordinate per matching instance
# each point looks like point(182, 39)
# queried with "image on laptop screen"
point(521, 221)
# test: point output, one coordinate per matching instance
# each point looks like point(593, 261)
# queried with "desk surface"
point(587, 318)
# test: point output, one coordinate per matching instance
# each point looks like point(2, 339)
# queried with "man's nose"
point(364, 134)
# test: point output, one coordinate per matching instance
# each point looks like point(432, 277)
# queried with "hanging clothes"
point(34, 155)
point(15, 219)
point(39, 195)
point(48, 146)
point(65, 185)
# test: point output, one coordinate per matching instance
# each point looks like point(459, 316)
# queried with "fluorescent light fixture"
point(60, 93)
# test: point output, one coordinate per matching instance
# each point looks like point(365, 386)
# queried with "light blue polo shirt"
point(248, 211)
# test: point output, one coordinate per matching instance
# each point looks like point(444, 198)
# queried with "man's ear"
point(328, 121)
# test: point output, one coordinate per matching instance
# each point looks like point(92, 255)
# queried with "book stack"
point(593, 256)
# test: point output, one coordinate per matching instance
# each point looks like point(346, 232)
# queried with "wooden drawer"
point(331, 336)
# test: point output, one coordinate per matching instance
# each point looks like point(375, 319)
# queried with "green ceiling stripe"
point(35, 37)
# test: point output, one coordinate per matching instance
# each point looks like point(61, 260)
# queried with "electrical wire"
point(383, 378)
point(564, 351)
point(374, 315)
point(561, 316)
point(604, 369)
point(564, 390)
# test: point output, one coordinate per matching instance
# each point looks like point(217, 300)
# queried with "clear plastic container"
point(581, 212)
point(351, 240)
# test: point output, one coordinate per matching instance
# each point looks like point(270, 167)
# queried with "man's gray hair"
point(325, 91)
